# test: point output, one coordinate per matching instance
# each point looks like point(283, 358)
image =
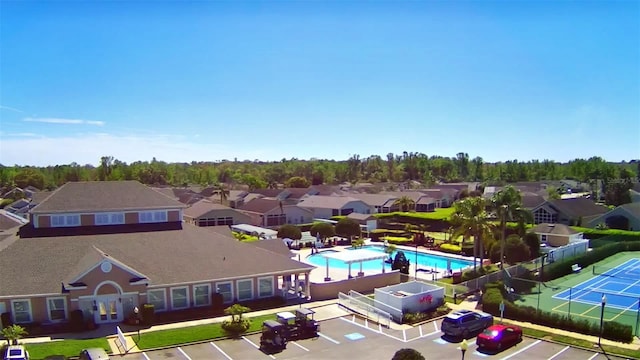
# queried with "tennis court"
point(579, 295)
point(619, 285)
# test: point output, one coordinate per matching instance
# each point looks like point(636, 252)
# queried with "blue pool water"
point(424, 260)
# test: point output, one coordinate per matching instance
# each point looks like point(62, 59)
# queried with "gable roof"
point(360, 217)
point(327, 189)
point(10, 221)
point(297, 193)
point(202, 207)
point(274, 245)
point(375, 199)
point(267, 192)
point(327, 202)
point(260, 205)
point(91, 260)
point(92, 196)
point(531, 200)
point(38, 197)
point(553, 229)
point(632, 208)
point(578, 207)
point(204, 254)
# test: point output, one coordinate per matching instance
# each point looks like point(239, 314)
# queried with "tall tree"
point(470, 219)
point(507, 204)
point(405, 203)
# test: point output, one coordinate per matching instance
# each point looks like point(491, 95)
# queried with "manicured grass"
point(579, 342)
point(438, 214)
point(71, 347)
point(163, 338)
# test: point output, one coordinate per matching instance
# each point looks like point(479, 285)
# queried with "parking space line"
point(594, 356)
point(420, 328)
point(559, 352)
point(522, 350)
point(404, 335)
point(183, 353)
point(372, 330)
point(300, 346)
point(328, 338)
point(220, 350)
point(435, 325)
point(254, 345)
point(145, 355)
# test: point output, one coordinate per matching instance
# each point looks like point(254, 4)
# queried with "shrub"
point(236, 327)
point(397, 240)
point(76, 320)
point(407, 354)
point(323, 229)
point(347, 227)
point(289, 231)
point(450, 248)
point(493, 295)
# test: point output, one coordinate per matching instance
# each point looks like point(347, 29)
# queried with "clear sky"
point(211, 80)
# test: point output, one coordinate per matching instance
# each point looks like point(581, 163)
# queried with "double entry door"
point(109, 309)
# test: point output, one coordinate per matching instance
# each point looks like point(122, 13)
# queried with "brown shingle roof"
point(267, 192)
point(555, 229)
point(274, 245)
point(104, 196)
point(166, 257)
point(375, 199)
point(260, 205)
point(326, 202)
point(202, 207)
point(10, 221)
point(578, 207)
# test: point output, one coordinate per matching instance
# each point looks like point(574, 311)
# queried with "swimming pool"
point(424, 260)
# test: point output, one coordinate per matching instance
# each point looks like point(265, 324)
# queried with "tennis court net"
point(621, 273)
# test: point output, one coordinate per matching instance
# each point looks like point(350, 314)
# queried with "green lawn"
point(192, 334)
point(67, 348)
point(438, 214)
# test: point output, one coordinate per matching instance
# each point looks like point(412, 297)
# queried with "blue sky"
point(205, 80)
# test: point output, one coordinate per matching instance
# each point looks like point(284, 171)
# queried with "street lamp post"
point(136, 311)
point(463, 347)
point(415, 274)
point(603, 303)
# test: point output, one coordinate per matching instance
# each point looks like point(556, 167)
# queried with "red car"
point(498, 337)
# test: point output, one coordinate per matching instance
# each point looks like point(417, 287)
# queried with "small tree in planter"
point(14, 333)
point(237, 324)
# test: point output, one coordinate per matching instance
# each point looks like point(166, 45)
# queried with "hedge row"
point(493, 295)
point(562, 268)
point(622, 235)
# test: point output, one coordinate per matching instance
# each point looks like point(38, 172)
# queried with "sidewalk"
point(635, 345)
point(325, 310)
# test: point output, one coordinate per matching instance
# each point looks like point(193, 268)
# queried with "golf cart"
point(301, 325)
point(274, 336)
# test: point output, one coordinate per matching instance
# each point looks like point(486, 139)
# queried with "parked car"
point(16, 352)
point(498, 337)
point(465, 322)
point(94, 354)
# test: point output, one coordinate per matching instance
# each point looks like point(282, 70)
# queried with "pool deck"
point(318, 274)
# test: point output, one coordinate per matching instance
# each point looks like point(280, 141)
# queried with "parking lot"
point(353, 338)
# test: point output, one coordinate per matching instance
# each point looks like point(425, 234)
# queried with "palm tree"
point(405, 203)
point(507, 204)
point(471, 220)
point(220, 190)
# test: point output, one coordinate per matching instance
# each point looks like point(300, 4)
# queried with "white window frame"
point(64, 305)
point(238, 289)
point(186, 291)
point(231, 296)
point(164, 299)
point(260, 295)
point(152, 216)
point(13, 310)
point(65, 220)
point(208, 293)
point(116, 218)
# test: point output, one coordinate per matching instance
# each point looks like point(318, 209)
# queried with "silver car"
point(94, 354)
point(461, 323)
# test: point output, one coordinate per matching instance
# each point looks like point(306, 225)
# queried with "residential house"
point(383, 203)
point(20, 207)
point(634, 192)
point(556, 234)
point(10, 221)
point(577, 211)
point(623, 217)
point(272, 213)
point(104, 248)
point(324, 207)
point(443, 197)
point(207, 213)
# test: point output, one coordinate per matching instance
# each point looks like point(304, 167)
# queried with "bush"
point(562, 268)
point(493, 295)
point(347, 227)
point(323, 229)
point(407, 354)
point(450, 248)
point(622, 235)
point(236, 327)
point(289, 231)
point(397, 240)
point(76, 320)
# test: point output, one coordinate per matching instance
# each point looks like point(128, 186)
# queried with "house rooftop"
point(554, 229)
point(93, 196)
point(202, 207)
point(186, 255)
point(326, 202)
